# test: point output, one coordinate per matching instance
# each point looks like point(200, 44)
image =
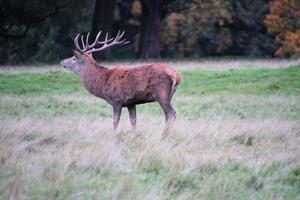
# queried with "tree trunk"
point(103, 20)
point(150, 29)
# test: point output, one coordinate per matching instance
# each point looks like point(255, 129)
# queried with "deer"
point(122, 86)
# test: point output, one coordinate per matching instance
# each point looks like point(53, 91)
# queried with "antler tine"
point(87, 40)
point(121, 33)
point(95, 42)
point(124, 40)
point(106, 38)
point(107, 42)
point(83, 45)
point(76, 40)
point(119, 36)
point(77, 44)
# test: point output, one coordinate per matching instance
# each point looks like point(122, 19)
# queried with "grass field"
point(237, 137)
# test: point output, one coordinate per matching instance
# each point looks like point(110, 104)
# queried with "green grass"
point(252, 82)
point(195, 82)
point(237, 137)
point(231, 181)
point(204, 107)
point(38, 84)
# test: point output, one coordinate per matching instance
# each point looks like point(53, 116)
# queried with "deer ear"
point(88, 55)
point(77, 55)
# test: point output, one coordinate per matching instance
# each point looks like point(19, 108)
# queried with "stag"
point(120, 86)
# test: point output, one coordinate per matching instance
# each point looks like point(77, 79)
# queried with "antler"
point(89, 48)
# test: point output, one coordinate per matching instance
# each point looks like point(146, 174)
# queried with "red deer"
point(120, 86)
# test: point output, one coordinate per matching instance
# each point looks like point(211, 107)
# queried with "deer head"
point(83, 53)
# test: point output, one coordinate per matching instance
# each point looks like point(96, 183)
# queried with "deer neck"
point(93, 78)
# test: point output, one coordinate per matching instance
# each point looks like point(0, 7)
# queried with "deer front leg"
point(132, 115)
point(117, 114)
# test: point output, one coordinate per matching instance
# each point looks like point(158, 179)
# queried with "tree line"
point(42, 31)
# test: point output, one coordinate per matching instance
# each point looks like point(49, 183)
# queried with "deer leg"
point(170, 113)
point(117, 114)
point(163, 97)
point(132, 115)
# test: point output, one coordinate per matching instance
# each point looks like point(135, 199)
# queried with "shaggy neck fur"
point(93, 78)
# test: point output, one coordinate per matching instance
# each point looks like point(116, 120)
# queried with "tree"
point(283, 24)
point(103, 20)
point(150, 28)
point(153, 12)
point(29, 30)
point(18, 16)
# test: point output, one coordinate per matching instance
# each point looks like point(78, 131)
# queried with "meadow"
point(237, 136)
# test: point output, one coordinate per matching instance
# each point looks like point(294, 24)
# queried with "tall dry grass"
point(44, 151)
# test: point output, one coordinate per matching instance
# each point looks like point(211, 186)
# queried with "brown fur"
point(127, 87)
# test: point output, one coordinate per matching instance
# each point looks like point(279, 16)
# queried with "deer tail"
point(175, 80)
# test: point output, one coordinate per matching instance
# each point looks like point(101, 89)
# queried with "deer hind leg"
point(132, 115)
point(173, 88)
point(163, 97)
point(117, 109)
point(170, 113)
point(164, 101)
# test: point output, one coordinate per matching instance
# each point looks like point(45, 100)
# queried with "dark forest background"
point(43, 31)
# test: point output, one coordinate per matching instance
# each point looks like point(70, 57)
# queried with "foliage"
point(42, 31)
point(185, 30)
point(283, 23)
point(218, 28)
